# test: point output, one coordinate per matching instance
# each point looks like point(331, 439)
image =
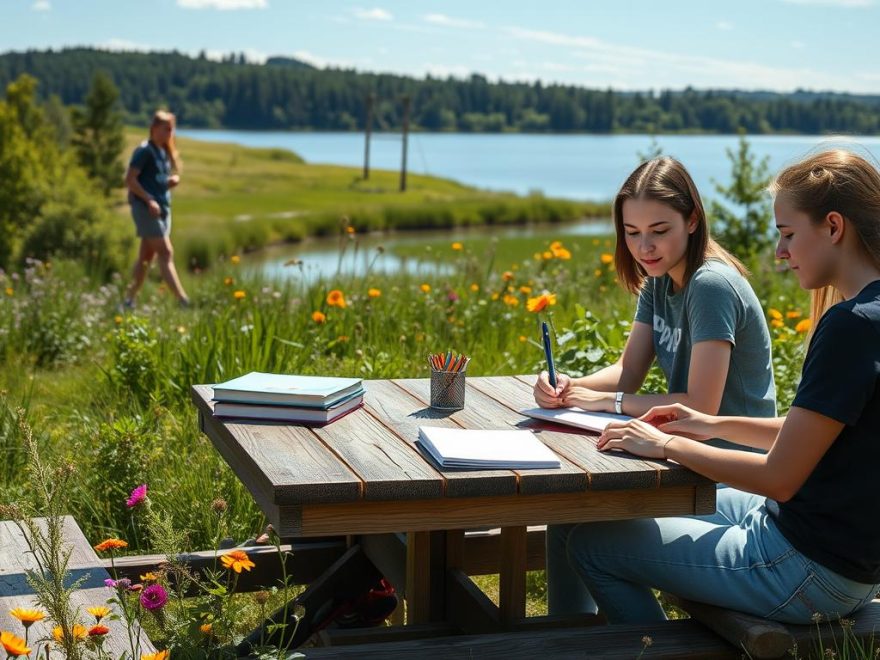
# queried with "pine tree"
point(98, 136)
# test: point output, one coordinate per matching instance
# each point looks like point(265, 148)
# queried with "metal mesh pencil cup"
point(447, 390)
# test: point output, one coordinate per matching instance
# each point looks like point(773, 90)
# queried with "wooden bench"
point(16, 559)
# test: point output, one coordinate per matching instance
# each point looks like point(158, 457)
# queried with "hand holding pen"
point(550, 386)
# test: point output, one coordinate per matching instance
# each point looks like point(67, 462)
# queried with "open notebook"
point(591, 421)
point(487, 450)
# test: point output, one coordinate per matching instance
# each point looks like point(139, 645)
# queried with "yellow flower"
point(495, 296)
point(237, 560)
point(227, 281)
point(776, 323)
point(774, 314)
point(523, 338)
point(598, 272)
point(349, 229)
point(234, 259)
point(117, 319)
point(27, 616)
point(475, 287)
point(150, 577)
point(606, 258)
point(547, 255)
point(336, 299)
point(374, 293)
point(562, 253)
point(793, 314)
point(457, 246)
point(426, 288)
point(160, 655)
point(206, 628)
point(14, 646)
point(100, 611)
point(507, 276)
point(9, 291)
point(540, 302)
point(511, 301)
point(319, 317)
point(111, 544)
point(595, 241)
point(525, 290)
point(79, 633)
point(803, 325)
point(239, 295)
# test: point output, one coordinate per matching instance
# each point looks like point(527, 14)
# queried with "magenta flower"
point(154, 597)
point(137, 496)
point(123, 584)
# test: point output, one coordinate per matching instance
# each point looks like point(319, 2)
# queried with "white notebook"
point(464, 448)
point(592, 421)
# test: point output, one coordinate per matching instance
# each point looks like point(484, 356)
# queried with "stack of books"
point(288, 398)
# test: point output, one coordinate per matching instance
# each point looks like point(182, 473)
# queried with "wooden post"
point(368, 128)
point(406, 101)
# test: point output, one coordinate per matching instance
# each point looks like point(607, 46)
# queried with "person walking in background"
point(795, 534)
point(152, 172)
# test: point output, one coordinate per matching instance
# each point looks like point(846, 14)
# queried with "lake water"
point(587, 167)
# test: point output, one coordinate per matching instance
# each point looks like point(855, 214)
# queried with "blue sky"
point(639, 44)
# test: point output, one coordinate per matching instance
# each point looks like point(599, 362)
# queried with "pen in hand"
point(548, 352)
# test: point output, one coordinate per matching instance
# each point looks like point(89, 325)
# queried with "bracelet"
point(618, 403)
point(668, 440)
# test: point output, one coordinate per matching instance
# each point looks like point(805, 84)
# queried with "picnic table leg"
point(512, 596)
point(425, 576)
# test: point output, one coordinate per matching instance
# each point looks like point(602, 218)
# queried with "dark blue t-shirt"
point(833, 517)
point(155, 168)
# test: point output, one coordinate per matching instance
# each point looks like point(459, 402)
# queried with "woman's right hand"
point(545, 395)
point(681, 420)
point(154, 208)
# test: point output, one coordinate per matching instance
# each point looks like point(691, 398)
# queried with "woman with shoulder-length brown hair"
point(153, 171)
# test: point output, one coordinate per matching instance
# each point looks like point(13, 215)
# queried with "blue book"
point(287, 390)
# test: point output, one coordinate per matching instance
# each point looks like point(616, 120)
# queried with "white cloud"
point(41, 5)
point(117, 44)
point(724, 26)
point(223, 5)
point(448, 21)
point(445, 70)
point(323, 62)
point(832, 3)
point(374, 14)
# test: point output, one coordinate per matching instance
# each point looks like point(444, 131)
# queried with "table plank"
point(484, 412)
point(404, 413)
point(279, 463)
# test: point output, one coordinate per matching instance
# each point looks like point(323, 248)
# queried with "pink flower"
point(137, 496)
point(154, 597)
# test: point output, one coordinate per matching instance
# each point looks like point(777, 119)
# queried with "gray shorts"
point(148, 226)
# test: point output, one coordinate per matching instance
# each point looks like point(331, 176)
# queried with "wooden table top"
point(372, 455)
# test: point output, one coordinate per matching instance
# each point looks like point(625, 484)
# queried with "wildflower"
point(776, 323)
point(525, 290)
point(647, 641)
point(136, 588)
point(111, 544)
point(374, 293)
point(547, 255)
point(426, 288)
point(234, 259)
point(774, 314)
point(160, 655)
point(154, 597)
point(219, 505)
point(237, 560)
point(319, 317)
point(9, 291)
point(452, 296)
point(99, 612)
point(181, 329)
point(336, 299)
point(227, 281)
point(98, 631)
point(239, 295)
point(149, 577)
point(457, 246)
point(79, 633)
point(349, 229)
point(803, 325)
point(541, 302)
point(206, 628)
point(606, 258)
point(14, 646)
point(27, 617)
point(597, 272)
point(562, 253)
point(793, 314)
point(341, 339)
point(510, 301)
point(507, 276)
point(475, 287)
point(138, 495)
point(595, 241)
point(122, 584)
point(523, 338)
point(555, 245)
point(117, 320)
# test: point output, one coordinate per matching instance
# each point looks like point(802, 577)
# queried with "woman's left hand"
point(636, 437)
point(587, 399)
point(173, 180)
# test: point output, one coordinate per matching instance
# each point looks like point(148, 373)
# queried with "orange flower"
point(228, 281)
point(457, 246)
point(547, 255)
point(26, 616)
point(336, 299)
point(99, 612)
point(774, 314)
point(319, 317)
point(98, 631)
point(562, 253)
point(111, 544)
point(374, 293)
point(539, 303)
point(206, 628)
point(606, 258)
point(150, 577)
point(475, 287)
point(507, 276)
point(793, 314)
point(776, 323)
point(523, 338)
point(14, 646)
point(159, 655)
point(555, 245)
point(349, 229)
point(239, 295)
point(234, 259)
point(117, 320)
point(426, 288)
point(803, 326)
point(525, 290)
point(9, 291)
point(79, 633)
point(237, 560)
point(510, 301)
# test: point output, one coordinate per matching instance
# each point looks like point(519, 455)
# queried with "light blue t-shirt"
point(717, 303)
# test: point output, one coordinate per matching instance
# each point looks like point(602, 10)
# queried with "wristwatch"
point(618, 403)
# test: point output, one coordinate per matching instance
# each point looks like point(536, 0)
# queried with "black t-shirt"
point(155, 168)
point(833, 517)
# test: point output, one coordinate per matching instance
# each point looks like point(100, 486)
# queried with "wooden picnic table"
point(365, 475)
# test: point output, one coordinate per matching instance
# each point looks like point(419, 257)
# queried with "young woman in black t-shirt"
point(796, 533)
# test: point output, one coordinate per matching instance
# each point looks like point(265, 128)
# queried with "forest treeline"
point(284, 93)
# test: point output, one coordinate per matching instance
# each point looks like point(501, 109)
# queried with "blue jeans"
point(735, 558)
